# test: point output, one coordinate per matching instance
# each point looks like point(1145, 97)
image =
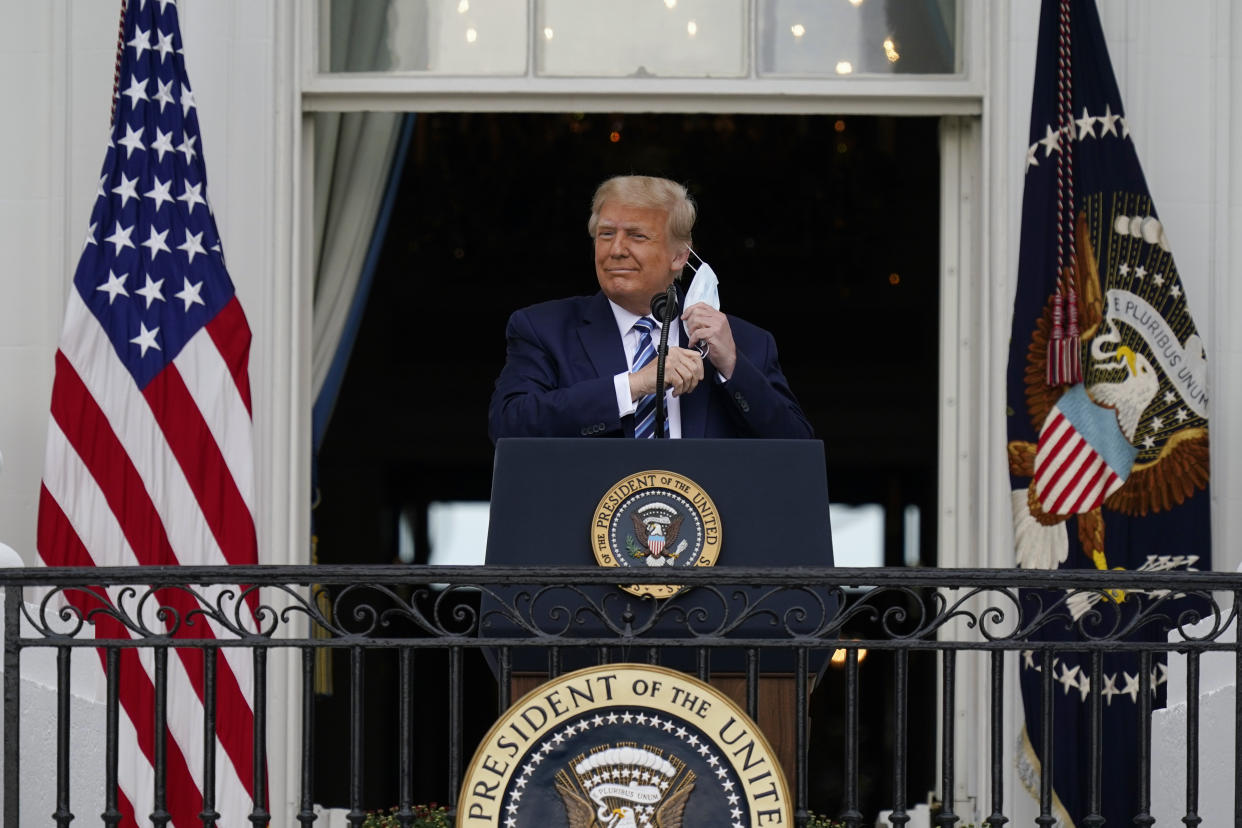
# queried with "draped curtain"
point(358, 161)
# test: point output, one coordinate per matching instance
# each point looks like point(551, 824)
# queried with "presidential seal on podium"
point(624, 746)
point(654, 519)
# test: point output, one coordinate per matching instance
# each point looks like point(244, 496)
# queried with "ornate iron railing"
point(743, 615)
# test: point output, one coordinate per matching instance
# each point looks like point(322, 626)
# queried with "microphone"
point(660, 305)
point(663, 306)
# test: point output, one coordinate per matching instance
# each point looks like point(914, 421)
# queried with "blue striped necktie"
point(644, 412)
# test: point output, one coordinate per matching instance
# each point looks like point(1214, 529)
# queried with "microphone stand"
point(662, 305)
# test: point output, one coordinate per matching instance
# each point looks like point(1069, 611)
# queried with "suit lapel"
point(694, 404)
point(597, 331)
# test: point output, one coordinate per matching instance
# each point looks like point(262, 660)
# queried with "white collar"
point(625, 319)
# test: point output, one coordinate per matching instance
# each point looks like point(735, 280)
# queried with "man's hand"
point(683, 370)
point(708, 325)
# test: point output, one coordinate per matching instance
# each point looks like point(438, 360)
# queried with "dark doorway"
point(823, 229)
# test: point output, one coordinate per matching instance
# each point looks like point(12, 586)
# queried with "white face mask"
point(704, 287)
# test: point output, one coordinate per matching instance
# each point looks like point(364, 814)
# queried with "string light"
point(547, 32)
point(839, 656)
point(798, 29)
point(692, 28)
point(463, 6)
point(671, 4)
point(471, 35)
point(890, 50)
point(844, 67)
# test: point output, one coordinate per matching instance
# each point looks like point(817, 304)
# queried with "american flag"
point(149, 457)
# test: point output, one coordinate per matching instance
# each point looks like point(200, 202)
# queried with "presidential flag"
point(149, 458)
point(1107, 412)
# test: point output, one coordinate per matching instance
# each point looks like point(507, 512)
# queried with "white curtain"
point(353, 163)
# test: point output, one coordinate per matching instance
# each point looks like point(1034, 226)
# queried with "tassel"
point(323, 655)
point(1065, 343)
point(1073, 342)
point(1056, 343)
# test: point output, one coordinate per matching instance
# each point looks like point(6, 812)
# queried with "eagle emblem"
point(658, 524)
point(625, 787)
point(1132, 436)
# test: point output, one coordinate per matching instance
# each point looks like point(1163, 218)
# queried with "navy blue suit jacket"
point(558, 380)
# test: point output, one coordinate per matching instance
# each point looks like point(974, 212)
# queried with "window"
point(708, 39)
point(857, 37)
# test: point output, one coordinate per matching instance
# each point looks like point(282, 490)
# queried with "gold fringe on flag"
point(323, 655)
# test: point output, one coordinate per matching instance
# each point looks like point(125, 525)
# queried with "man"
point(574, 367)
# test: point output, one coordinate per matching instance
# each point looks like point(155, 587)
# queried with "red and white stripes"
point(161, 476)
point(1070, 476)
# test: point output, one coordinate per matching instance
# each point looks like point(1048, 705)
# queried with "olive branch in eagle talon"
point(633, 548)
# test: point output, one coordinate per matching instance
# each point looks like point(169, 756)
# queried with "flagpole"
point(116, 75)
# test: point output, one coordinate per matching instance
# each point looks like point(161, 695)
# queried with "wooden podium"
point(772, 500)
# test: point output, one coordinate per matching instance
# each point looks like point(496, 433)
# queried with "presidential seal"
point(624, 746)
point(653, 519)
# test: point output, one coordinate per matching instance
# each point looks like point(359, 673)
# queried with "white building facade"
point(254, 66)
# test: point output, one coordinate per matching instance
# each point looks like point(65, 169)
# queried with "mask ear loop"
point(697, 256)
point(702, 347)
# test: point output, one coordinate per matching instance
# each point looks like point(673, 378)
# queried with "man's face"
point(634, 256)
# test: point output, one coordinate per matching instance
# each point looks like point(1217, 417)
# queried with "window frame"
point(956, 94)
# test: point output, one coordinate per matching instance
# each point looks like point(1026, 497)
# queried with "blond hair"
point(647, 191)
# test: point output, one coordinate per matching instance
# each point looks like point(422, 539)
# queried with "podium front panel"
point(771, 497)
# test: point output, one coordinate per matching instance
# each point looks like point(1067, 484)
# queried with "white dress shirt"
point(621, 382)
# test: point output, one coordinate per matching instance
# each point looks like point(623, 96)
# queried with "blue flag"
point(1107, 410)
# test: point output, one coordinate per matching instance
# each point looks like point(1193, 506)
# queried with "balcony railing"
point(746, 621)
